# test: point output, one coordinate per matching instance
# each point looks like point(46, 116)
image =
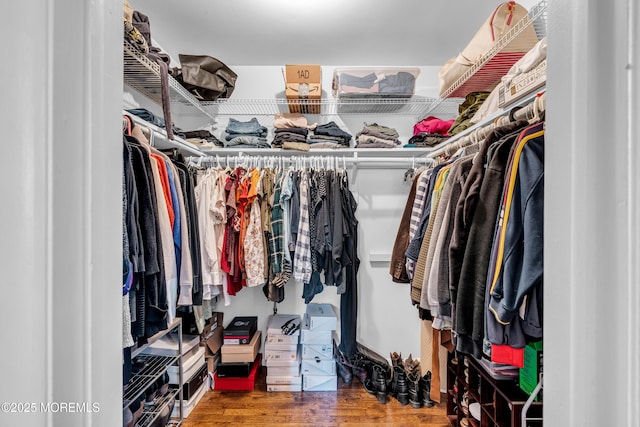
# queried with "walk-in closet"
point(258, 213)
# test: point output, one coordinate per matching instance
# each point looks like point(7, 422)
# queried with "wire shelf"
point(151, 412)
point(486, 73)
point(155, 366)
point(144, 76)
point(414, 106)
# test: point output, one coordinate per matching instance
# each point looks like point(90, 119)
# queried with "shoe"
point(412, 373)
point(425, 386)
point(343, 365)
point(380, 381)
point(137, 407)
point(402, 390)
point(150, 395)
point(464, 405)
point(127, 417)
point(396, 360)
point(474, 410)
point(163, 384)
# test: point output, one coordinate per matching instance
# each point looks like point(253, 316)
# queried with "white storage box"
point(290, 380)
point(291, 322)
point(321, 317)
point(322, 351)
point(277, 354)
point(314, 336)
point(279, 339)
point(189, 405)
point(281, 347)
point(284, 387)
point(522, 85)
point(284, 371)
point(190, 366)
point(286, 363)
point(318, 367)
point(168, 345)
point(320, 382)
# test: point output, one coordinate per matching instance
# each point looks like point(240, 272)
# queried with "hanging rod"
point(329, 160)
point(475, 135)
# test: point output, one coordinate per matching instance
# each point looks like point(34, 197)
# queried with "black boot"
point(415, 399)
point(343, 365)
point(425, 388)
point(402, 390)
point(396, 360)
point(412, 372)
point(380, 381)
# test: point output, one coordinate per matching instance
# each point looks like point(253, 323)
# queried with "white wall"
point(387, 321)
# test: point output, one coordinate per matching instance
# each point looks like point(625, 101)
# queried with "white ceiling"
point(328, 32)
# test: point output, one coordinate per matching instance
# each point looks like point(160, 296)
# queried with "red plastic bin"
point(238, 383)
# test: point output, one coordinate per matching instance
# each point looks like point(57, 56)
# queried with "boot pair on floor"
point(403, 380)
point(408, 385)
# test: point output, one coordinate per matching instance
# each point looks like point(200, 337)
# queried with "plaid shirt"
point(280, 268)
point(302, 260)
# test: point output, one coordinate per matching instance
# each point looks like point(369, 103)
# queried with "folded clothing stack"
point(291, 138)
point(202, 138)
point(291, 130)
point(330, 135)
point(251, 134)
point(377, 136)
point(429, 132)
point(424, 139)
point(149, 117)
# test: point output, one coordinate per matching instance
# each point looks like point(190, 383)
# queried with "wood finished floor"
point(350, 406)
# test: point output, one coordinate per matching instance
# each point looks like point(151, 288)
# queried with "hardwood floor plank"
point(350, 406)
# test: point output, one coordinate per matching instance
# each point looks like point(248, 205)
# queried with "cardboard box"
point(212, 340)
point(231, 383)
point(279, 339)
point(290, 380)
point(533, 362)
point(212, 323)
point(284, 387)
point(319, 382)
point(321, 351)
point(241, 352)
point(211, 363)
point(321, 317)
point(303, 88)
point(284, 371)
point(276, 354)
point(314, 336)
point(279, 323)
point(318, 367)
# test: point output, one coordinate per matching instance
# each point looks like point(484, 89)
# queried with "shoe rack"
point(500, 399)
point(154, 366)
